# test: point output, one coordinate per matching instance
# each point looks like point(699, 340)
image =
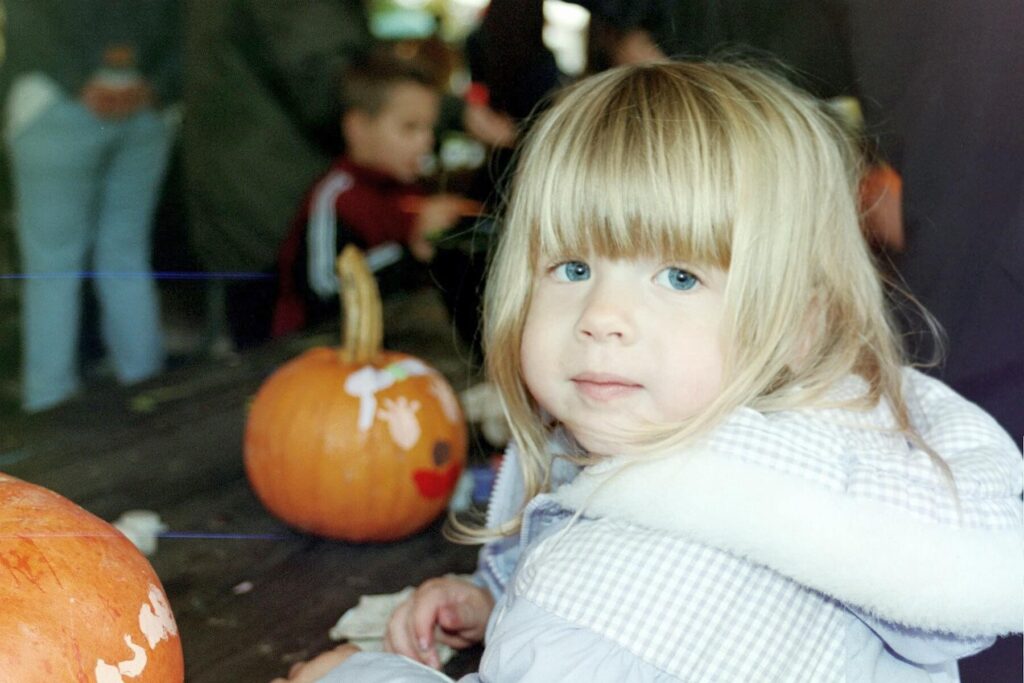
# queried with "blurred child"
point(722, 469)
point(369, 196)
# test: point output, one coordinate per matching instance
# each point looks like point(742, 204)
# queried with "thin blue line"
point(159, 275)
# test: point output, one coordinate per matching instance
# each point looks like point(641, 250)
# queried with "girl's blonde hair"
point(715, 165)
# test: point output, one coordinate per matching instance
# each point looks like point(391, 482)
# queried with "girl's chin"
point(599, 443)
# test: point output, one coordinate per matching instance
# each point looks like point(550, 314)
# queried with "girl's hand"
point(314, 669)
point(453, 611)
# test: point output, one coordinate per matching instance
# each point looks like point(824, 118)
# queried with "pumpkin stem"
point(362, 329)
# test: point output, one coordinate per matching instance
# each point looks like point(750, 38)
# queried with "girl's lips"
point(602, 387)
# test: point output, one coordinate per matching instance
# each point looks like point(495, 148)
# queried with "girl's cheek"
point(536, 375)
point(530, 373)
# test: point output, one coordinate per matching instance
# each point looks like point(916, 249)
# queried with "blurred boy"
point(368, 197)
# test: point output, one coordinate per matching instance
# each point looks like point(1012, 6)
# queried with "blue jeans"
point(85, 192)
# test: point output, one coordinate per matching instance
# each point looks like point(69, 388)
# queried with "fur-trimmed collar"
point(863, 553)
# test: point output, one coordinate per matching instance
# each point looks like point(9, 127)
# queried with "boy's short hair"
point(366, 84)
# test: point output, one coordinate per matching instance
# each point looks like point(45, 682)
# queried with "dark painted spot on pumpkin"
point(442, 453)
point(434, 484)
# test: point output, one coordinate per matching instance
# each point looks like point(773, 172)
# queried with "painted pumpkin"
point(355, 443)
point(79, 601)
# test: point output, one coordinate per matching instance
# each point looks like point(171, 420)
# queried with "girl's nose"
point(607, 316)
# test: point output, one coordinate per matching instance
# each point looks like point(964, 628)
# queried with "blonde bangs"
point(609, 178)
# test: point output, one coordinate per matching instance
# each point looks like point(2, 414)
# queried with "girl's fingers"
point(400, 635)
point(397, 635)
point(441, 610)
point(421, 633)
point(425, 607)
point(453, 640)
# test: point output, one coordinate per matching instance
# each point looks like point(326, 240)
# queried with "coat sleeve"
point(374, 217)
point(498, 558)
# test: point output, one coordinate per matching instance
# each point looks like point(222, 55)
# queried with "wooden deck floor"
point(183, 459)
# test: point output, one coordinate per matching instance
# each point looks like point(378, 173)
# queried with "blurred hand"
point(881, 205)
point(488, 126)
point(434, 215)
point(115, 103)
point(446, 610)
point(314, 669)
point(636, 47)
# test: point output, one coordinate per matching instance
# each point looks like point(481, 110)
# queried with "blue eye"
point(678, 279)
point(572, 271)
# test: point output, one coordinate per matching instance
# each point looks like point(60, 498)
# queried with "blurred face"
point(614, 344)
point(395, 140)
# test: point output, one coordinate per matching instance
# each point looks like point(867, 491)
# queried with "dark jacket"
point(350, 204)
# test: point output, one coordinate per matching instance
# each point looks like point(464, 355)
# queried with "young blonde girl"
point(721, 470)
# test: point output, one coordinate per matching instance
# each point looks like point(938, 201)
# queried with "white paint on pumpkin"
point(132, 668)
point(157, 623)
point(135, 666)
point(365, 382)
point(107, 673)
point(403, 426)
point(155, 619)
point(446, 397)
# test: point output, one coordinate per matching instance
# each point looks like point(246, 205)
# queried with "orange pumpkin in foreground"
point(355, 443)
point(78, 601)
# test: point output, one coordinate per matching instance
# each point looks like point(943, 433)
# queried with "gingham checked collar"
point(832, 501)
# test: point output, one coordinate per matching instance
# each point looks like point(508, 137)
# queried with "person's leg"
point(54, 164)
point(129, 303)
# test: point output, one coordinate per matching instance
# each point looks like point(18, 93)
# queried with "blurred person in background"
point(88, 150)
point(617, 38)
point(261, 126)
point(370, 197)
point(513, 72)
